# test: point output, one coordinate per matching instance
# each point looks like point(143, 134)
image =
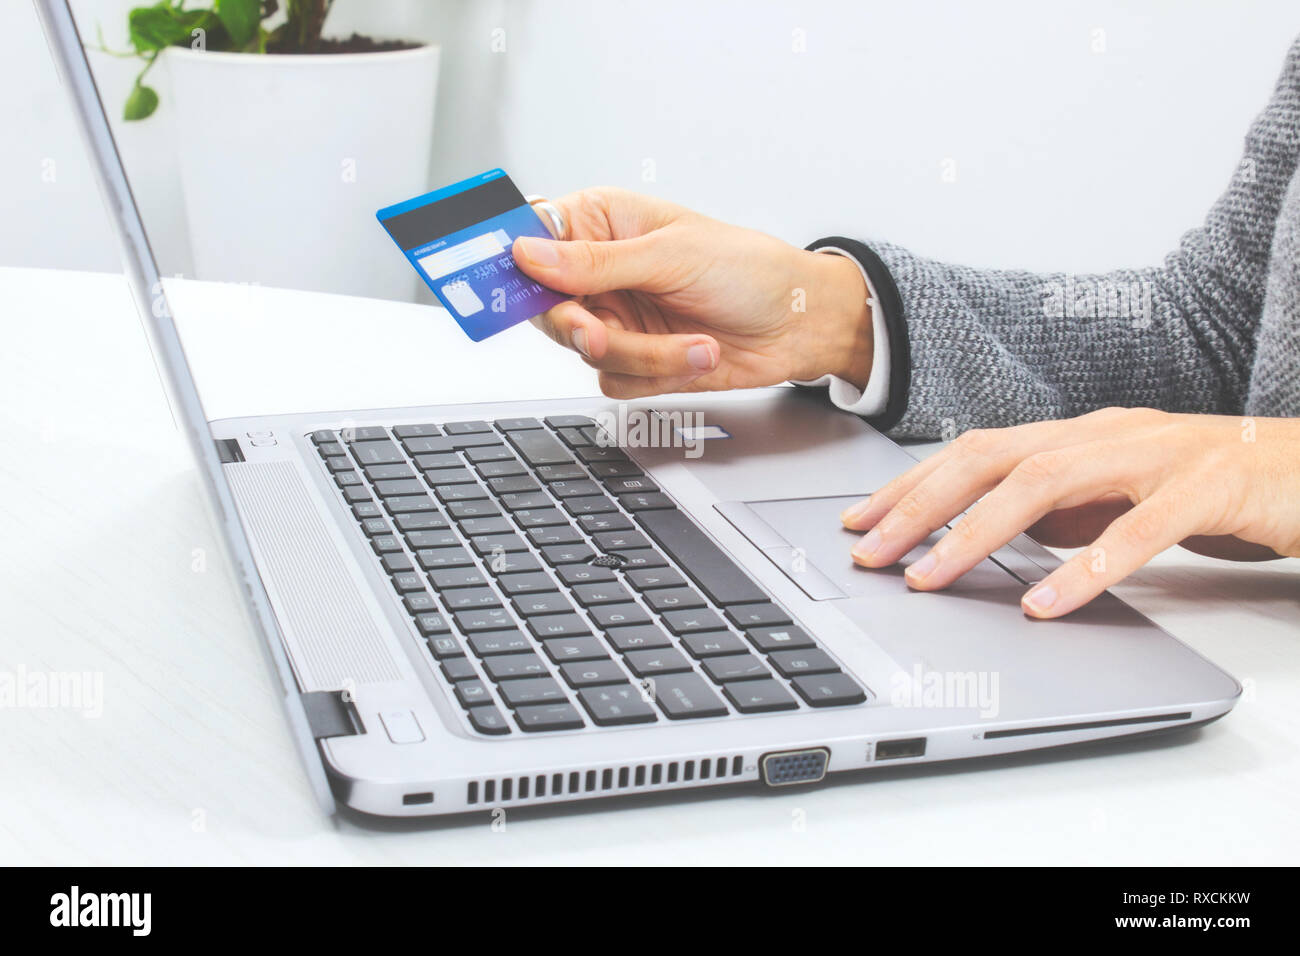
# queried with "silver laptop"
point(524, 603)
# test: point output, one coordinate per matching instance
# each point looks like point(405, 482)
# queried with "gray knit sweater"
point(1216, 329)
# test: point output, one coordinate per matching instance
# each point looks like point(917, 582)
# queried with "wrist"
point(837, 336)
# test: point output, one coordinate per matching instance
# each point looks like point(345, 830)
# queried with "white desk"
point(101, 569)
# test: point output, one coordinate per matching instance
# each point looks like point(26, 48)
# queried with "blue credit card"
point(458, 239)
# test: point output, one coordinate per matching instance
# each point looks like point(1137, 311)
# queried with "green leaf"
point(156, 27)
point(241, 19)
point(141, 103)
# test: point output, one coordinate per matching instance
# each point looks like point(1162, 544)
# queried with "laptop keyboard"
point(559, 588)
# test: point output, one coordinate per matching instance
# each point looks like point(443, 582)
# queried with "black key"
point(600, 454)
point(366, 509)
point(420, 601)
point(610, 521)
point(355, 495)
point(568, 421)
point(542, 602)
point(671, 599)
point(490, 545)
point(548, 716)
point(321, 437)
point(421, 521)
point(768, 639)
point(364, 433)
point(445, 646)
point(397, 563)
point(713, 643)
point(407, 582)
point(489, 453)
point(810, 661)
point(471, 693)
point(650, 579)
point(591, 673)
point(464, 510)
point(515, 666)
point(554, 534)
point(490, 619)
point(620, 540)
point(475, 527)
point(442, 462)
point(682, 696)
point(430, 623)
point(611, 706)
point(766, 614)
point(533, 690)
point(558, 554)
point(409, 503)
point(558, 625)
point(432, 559)
point(467, 599)
point(345, 479)
point(525, 502)
point(589, 505)
point(415, 431)
point(829, 690)
point(488, 720)
point(540, 518)
point(619, 615)
point(331, 449)
point(690, 622)
point(637, 638)
point(447, 578)
point(466, 428)
point(592, 595)
point(649, 501)
point(549, 473)
point(614, 469)
point(664, 660)
point(759, 696)
point(377, 453)
point(374, 527)
point(574, 489)
point(707, 565)
point(529, 583)
point(576, 574)
point(630, 485)
point(735, 667)
point(515, 484)
point(458, 493)
point(385, 544)
point(458, 668)
point(516, 424)
point(642, 559)
point(513, 563)
point(501, 469)
point(387, 472)
point(499, 642)
point(575, 437)
point(437, 477)
point(539, 448)
point(441, 538)
point(486, 440)
point(338, 463)
point(561, 649)
point(428, 446)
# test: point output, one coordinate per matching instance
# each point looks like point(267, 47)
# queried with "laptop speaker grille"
point(573, 783)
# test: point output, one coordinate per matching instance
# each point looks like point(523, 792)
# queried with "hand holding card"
point(458, 239)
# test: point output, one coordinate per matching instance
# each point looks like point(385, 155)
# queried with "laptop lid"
point(187, 411)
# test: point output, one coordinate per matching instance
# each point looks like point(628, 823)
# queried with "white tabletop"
point(108, 566)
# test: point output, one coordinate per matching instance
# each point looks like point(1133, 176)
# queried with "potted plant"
point(288, 139)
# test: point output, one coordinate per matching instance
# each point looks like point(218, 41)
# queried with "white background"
point(1064, 157)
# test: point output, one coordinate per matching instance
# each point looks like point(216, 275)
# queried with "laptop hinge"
point(228, 450)
point(330, 714)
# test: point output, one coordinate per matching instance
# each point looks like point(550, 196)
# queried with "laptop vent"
point(573, 783)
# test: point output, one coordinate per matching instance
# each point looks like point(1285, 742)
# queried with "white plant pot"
point(285, 158)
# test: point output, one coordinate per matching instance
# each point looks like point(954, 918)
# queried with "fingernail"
point(868, 545)
point(853, 512)
point(579, 337)
point(540, 251)
point(700, 356)
point(1040, 598)
point(921, 569)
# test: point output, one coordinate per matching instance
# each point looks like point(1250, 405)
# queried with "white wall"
point(1063, 157)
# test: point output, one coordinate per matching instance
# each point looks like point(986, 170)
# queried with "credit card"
point(458, 239)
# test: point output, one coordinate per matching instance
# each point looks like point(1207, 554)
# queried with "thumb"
point(584, 267)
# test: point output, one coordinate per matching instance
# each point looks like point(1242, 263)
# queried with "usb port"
point(893, 749)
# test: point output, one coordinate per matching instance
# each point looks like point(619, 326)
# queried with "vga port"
point(795, 766)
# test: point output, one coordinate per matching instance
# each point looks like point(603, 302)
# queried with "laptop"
point(527, 603)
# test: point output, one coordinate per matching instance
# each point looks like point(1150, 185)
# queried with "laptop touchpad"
point(805, 539)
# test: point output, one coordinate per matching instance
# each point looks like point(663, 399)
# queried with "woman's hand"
point(673, 301)
point(1130, 481)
